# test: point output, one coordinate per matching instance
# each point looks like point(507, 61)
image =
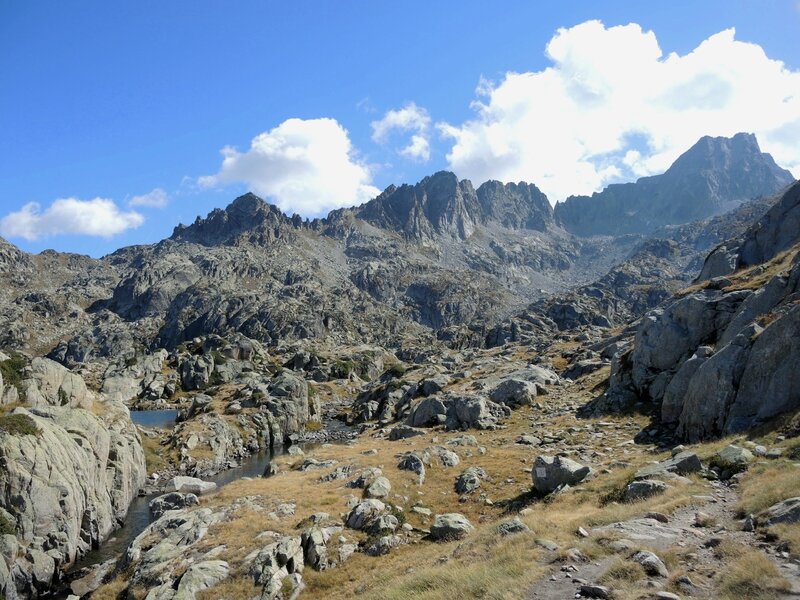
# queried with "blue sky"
point(102, 103)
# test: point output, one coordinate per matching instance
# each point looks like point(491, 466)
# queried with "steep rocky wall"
point(720, 360)
point(776, 231)
point(67, 477)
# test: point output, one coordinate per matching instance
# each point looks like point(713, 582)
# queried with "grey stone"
point(550, 473)
point(192, 485)
point(379, 488)
point(172, 501)
point(652, 564)
point(470, 480)
point(450, 526)
point(364, 512)
point(787, 511)
point(512, 527)
point(644, 488)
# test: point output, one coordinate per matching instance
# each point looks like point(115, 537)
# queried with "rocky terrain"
point(459, 396)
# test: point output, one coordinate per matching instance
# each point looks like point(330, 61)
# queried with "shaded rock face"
point(719, 361)
point(776, 231)
point(67, 488)
point(713, 175)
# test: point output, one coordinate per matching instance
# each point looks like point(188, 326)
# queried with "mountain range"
point(436, 259)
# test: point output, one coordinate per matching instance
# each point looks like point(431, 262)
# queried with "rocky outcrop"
point(261, 415)
point(66, 486)
point(776, 231)
point(721, 359)
point(712, 176)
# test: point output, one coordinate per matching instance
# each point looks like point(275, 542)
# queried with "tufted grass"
point(752, 575)
point(789, 534)
point(766, 484)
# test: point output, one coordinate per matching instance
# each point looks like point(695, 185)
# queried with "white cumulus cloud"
point(99, 217)
point(409, 119)
point(156, 198)
point(612, 105)
point(304, 166)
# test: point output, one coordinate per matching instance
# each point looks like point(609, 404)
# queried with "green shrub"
point(11, 370)
point(399, 514)
point(63, 399)
point(19, 424)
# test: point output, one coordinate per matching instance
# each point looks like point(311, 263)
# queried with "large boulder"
point(683, 463)
point(470, 480)
point(48, 383)
point(172, 501)
point(450, 526)
point(514, 393)
point(551, 473)
point(642, 489)
point(379, 488)
point(364, 512)
point(430, 411)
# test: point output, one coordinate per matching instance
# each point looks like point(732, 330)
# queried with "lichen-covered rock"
point(787, 511)
point(364, 512)
point(470, 480)
point(379, 488)
point(67, 487)
point(645, 488)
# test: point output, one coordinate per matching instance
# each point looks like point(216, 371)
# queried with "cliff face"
point(714, 175)
point(773, 233)
point(721, 358)
point(70, 464)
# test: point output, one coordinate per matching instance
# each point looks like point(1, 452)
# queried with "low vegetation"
point(752, 575)
point(19, 424)
point(12, 369)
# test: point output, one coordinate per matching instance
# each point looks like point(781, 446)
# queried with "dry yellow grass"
point(484, 565)
point(752, 575)
point(789, 534)
point(766, 484)
point(111, 590)
point(233, 588)
point(155, 455)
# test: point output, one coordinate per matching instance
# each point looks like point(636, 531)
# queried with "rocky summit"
point(449, 390)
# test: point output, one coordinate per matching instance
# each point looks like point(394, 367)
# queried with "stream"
point(139, 516)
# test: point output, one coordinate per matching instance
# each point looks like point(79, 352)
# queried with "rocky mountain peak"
point(440, 204)
point(515, 205)
point(714, 175)
point(12, 259)
point(248, 217)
